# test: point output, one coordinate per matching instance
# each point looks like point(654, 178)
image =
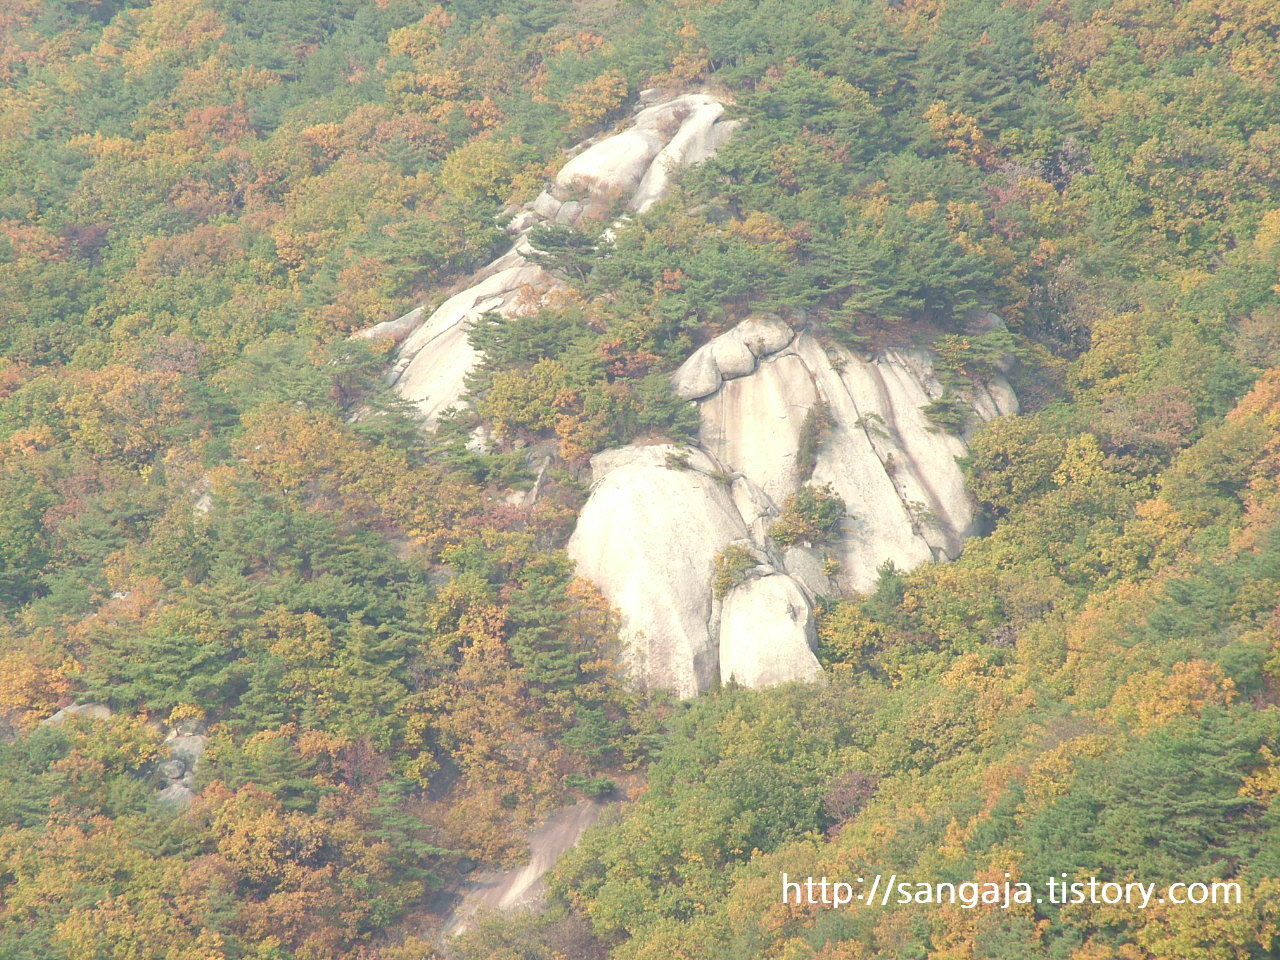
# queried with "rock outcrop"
point(778, 408)
point(88, 711)
point(186, 744)
point(767, 633)
point(895, 470)
point(523, 887)
point(629, 170)
point(675, 493)
point(659, 515)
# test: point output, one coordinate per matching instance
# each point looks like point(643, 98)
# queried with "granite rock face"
point(637, 163)
point(659, 515)
point(767, 633)
point(648, 537)
point(629, 170)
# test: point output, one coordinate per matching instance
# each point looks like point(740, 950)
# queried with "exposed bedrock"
point(648, 536)
point(767, 633)
point(628, 170)
point(658, 515)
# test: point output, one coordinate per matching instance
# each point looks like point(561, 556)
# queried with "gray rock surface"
point(635, 165)
point(807, 566)
point(648, 536)
point(89, 711)
point(185, 744)
point(732, 354)
point(395, 330)
point(658, 514)
point(754, 423)
point(432, 364)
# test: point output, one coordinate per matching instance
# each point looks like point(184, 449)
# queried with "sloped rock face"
point(637, 163)
point(432, 365)
point(767, 633)
point(631, 168)
point(896, 471)
point(648, 536)
point(658, 515)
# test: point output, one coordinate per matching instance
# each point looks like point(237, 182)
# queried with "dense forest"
point(215, 516)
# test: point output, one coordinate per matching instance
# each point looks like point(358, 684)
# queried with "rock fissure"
point(890, 420)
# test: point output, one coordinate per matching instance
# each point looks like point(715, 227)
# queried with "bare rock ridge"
point(431, 365)
point(755, 387)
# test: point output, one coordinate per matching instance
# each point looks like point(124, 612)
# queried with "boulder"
point(545, 206)
point(394, 330)
point(700, 134)
point(90, 711)
point(636, 164)
point(732, 354)
point(522, 222)
point(697, 377)
point(732, 357)
point(569, 212)
point(177, 795)
point(186, 743)
point(612, 166)
point(188, 748)
point(763, 335)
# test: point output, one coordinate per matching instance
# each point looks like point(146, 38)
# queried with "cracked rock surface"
point(658, 515)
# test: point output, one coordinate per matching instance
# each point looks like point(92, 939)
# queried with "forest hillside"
point(923, 420)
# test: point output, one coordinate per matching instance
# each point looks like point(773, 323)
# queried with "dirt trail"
point(488, 891)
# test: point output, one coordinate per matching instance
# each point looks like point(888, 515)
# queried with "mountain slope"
point(218, 520)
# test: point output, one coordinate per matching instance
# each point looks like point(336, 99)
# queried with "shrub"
point(948, 413)
point(811, 514)
point(731, 566)
point(812, 432)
